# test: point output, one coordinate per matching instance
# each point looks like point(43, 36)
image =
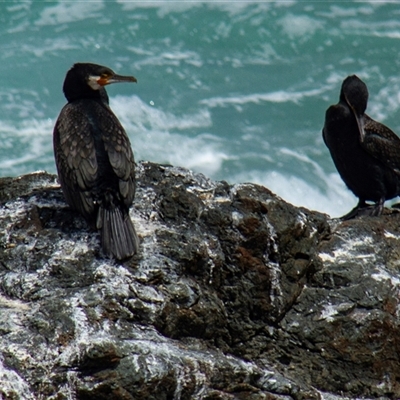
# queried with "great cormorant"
point(94, 158)
point(366, 153)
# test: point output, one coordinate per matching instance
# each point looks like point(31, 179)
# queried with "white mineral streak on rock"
point(390, 235)
point(328, 312)
point(349, 249)
point(11, 383)
point(382, 275)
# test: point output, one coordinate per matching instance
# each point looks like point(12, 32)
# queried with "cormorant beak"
point(107, 80)
point(359, 119)
point(360, 123)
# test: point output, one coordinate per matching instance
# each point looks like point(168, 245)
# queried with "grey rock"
point(235, 294)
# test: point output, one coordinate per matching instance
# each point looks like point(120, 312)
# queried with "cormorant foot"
point(378, 208)
point(359, 209)
point(362, 208)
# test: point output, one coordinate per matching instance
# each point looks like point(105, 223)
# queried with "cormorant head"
point(86, 80)
point(355, 93)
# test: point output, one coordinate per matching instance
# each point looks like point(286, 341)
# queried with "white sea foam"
point(324, 192)
point(155, 136)
point(341, 13)
point(48, 46)
point(173, 57)
point(386, 103)
point(280, 96)
point(33, 138)
point(335, 201)
point(65, 12)
point(303, 26)
point(165, 7)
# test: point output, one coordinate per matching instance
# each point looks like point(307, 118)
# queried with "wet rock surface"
point(235, 294)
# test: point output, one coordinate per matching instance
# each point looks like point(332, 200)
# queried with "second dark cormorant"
point(366, 153)
point(94, 158)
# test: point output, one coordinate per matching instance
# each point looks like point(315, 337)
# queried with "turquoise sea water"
point(235, 90)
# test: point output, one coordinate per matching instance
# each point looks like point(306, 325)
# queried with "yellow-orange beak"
point(107, 80)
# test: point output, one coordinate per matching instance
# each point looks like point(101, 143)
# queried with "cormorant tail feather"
point(118, 236)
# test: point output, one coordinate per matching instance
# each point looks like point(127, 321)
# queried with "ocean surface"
point(236, 90)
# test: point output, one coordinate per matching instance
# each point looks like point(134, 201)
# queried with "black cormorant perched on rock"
point(366, 153)
point(94, 158)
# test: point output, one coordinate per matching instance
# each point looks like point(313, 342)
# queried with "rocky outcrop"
point(235, 294)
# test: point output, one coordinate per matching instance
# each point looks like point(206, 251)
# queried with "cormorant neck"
point(103, 95)
point(73, 93)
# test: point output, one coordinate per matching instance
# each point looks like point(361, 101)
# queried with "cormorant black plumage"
point(366, 153)
point(94, 158)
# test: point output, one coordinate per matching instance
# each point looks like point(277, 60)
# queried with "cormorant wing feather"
point(120, 155)
point(76, 158)
point(382, 143)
